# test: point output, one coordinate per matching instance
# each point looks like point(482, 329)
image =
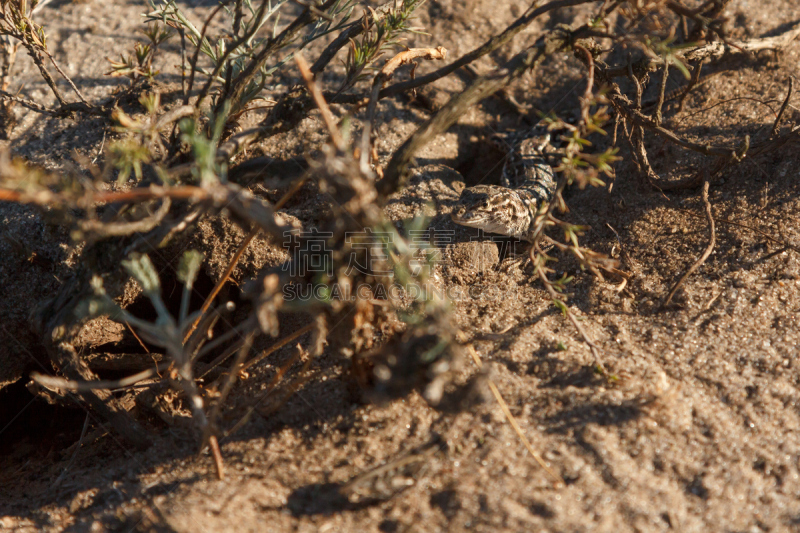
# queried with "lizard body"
point(529, 182)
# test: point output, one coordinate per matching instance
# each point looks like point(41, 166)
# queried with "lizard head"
point(492, 209)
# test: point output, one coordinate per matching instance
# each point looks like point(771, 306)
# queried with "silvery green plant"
point(164, 331)
point(234, 51)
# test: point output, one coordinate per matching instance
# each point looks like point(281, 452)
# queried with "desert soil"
point(694, 427)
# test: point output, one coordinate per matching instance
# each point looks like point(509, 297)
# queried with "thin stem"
point(260, 14)
point(277, 346)
point(702, 259)
point(479, 89)
point(782, 110)
point(52, 382)
point(196, 55)
point(661, 90)
point(488, 47)
point(513, 421)
point(240, 83)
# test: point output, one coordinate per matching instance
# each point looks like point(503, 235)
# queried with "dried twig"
point(30, 104)
point(513, 421)
point(216, 453)
point(211, 436)
point(381, 79)
point(394, 177)
point(488, 47)
point(782, 110)
point(586, 338)
point(228, 195)
point(102, 229)
point(623, 106)
point(238, 255)
point(52, 382)
point(702, 259)
point(712, 51)
point(220, 283)
point(716, 50)
point(316, 94)
point(277, 346)
point(661, 90)
point(67, 78)
point(587, 98)
point(275, 124)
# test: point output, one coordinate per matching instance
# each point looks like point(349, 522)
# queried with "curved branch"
point(488, 47)
point(479, 89)
point(702, 259)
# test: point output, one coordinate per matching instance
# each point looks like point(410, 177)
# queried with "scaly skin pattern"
point(511, 210)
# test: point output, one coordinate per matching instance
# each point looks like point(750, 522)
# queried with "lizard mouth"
point(483, 221)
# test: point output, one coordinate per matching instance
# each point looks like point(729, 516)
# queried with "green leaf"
point(189, 267)
point(142, 270)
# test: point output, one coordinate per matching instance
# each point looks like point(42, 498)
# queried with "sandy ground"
point(696, 430)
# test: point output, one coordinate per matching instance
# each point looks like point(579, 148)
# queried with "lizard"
point(528, 184)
